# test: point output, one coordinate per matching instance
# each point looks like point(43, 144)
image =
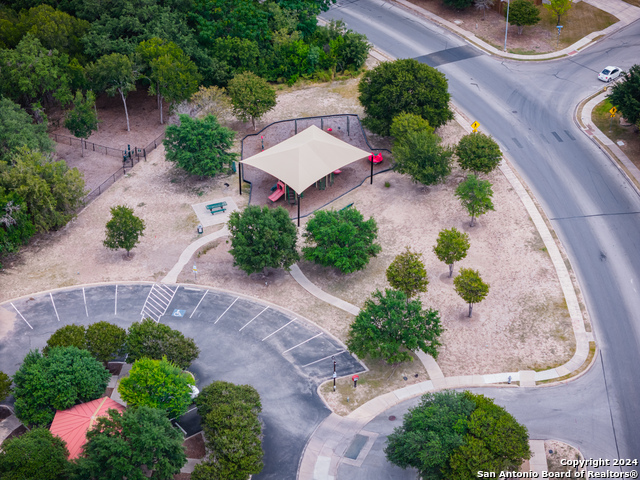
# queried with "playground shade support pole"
point(240, 177)
point(371, 168)
point(348, 134)
point(296, 126)
point(298, 209)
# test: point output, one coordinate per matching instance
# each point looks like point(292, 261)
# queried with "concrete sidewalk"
point(625, 13)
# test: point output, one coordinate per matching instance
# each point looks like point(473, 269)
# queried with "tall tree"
point(131, 443)
point(106, 341)
point(341, 239)
point(420, 155)
point(36, 455)
point(82, 119)
point(57, 381)
point(157, 384)
point(407, 273)
point(251, 97)
point(173, 75)
point(67, 336)
point(405, 123)
point(114, 73)
point(470, 287)
point(483, 5)
point(478, 152)
point(625, 95)
point(124, 229)
point(5, 386)
point(458, 4)
point(148, 339)
point(475, 195)
point(37, 75)
point(262, 238)
point(16, 227)
point(523, 13)
point(389, 327)
point(451, 246)
point(558, 7)
point(17, 129)
point(51, 190)
point(200, 147)
point(403, 86)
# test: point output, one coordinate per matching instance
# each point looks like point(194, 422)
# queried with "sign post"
point(475, 126)
point(195, 271)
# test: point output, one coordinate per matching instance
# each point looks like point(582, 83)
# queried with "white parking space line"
point(324, 358)
point(25, 320)
point(302, 343)
point(194, 310)
point(85, 302)
point(278, 329)
point(226, 310)
point(54, 306)
point(253, 319)
point(115, 309)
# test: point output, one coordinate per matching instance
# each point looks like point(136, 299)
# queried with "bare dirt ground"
point(581, 20)
point(523, 323)
point(562, 451)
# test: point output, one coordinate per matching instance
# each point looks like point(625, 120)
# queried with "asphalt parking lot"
point(242, 340)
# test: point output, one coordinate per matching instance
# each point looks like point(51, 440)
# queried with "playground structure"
point(342, 130)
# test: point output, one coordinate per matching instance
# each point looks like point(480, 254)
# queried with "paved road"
point(241, 340)
point(528, 107)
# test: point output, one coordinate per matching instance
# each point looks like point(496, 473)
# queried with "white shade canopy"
point(305, 158)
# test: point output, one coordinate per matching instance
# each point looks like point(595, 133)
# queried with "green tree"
point(405, 123)
point(35, 455)
point(232, 432)
point(210, 101)
point(82, 119)
point(124, 229)
point(456, 434)
point(389, 327)
point(251, 97)
point(36, 74)
point(458, 4)
point(67, 336)
point(124, 445)
point(156, 340)
point(18, 130)
point(523, 13)
point(158, 384)
point(420, 155)
point(341, 239)
point(475, 195)
point(478, 152)
point(558, 7)
point(451, 246)
point(407, 273)
point(430, 434)
point(64, 377)
point(5, 386)
point(173, 75)
point(625, 95)
point(16, 227)
point(200, 147)
point(105, 341)
point(52, 191)
point(403, 86)
point(495, 442)
point(114, 73)
point(470, 287)
point(262, 238)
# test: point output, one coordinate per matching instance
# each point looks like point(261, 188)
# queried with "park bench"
point(217, 207)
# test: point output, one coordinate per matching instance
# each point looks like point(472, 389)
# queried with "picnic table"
point(217, 207)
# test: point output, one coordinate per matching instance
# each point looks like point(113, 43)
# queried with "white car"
point(609, 73)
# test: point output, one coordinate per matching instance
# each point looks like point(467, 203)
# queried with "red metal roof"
point(72, 425)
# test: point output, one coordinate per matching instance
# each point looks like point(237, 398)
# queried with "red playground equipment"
point(375, 158)
point(279, 191)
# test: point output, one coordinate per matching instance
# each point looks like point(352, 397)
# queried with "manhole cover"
point(392, 418)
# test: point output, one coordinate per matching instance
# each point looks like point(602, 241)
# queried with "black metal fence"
point(129, 158)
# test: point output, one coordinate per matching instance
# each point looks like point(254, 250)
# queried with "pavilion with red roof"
point(72, 425)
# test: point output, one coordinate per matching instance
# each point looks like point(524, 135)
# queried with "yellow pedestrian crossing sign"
point(475, 126)
point(613, 111)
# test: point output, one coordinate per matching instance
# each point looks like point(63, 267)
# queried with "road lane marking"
point(278, 329)
point(194, 310)
point(25, 320)
point(226, 310)
point(54, 306)
point(253, 319)
point(302, 343)
point(324, 358)
point(85, 302)
point(115, 311)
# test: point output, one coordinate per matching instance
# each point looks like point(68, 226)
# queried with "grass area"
point(581, 20)
point(380, 379)
point(583, 367)
point(612, 128)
